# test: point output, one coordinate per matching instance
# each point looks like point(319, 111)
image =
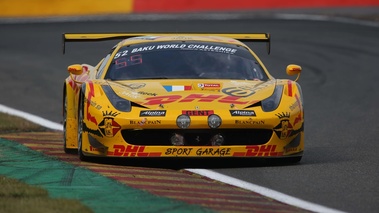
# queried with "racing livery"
point(181, 95)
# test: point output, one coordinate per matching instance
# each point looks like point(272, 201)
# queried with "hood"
point(198, 93)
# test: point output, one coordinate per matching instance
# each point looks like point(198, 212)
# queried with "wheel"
point(66, 150)
point(80, 130)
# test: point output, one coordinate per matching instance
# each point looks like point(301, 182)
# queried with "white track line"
point(32, 118)
point(207, 173)
point(293, 201)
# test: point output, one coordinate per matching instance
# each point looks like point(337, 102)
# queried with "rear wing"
point(85, 37)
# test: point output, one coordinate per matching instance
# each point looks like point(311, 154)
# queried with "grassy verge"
point(9, 123)
point(16, 196)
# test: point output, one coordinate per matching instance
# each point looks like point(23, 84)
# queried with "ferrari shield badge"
point(109, 127)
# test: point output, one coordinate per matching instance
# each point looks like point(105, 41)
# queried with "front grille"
point(161, 137)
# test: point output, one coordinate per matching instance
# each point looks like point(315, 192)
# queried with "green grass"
point(9, 123)
point(16, 196)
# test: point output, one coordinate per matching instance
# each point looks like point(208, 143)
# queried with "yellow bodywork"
point(103, 124)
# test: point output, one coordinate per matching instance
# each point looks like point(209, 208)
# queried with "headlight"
point(214, 121)
point(272, 102)
point(117, 102)
point(183, 121)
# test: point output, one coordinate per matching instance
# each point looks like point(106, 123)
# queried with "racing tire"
point(82, 157)
point(66, 150)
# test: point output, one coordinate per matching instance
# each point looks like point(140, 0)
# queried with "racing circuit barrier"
point(59, 8)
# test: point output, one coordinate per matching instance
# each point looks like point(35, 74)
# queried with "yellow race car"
point(181, 95)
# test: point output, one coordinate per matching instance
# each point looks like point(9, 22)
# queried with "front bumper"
point(117, 147)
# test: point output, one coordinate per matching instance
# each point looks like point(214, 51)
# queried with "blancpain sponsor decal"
point(145, 122)
point(152, 113)
point(242, 113)
point(249, 122)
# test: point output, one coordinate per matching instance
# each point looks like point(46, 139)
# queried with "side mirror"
point(75, 69)
point(293, 69)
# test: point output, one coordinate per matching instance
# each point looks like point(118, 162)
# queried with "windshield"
point(184, 60)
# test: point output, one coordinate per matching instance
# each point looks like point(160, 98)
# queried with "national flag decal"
point(172, 88)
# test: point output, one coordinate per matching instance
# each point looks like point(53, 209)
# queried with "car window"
point(184, 60)
point(102, 65)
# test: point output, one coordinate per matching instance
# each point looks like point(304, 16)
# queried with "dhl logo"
point(132, 151)
point(257, 151)
point(193, 97)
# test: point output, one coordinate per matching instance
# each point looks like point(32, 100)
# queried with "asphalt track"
point(340, 70)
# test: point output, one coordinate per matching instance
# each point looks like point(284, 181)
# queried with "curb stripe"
point(151, 186)
point(64, 180)
point(189, 188)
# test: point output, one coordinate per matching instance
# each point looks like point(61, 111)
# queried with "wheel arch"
point(70, 93)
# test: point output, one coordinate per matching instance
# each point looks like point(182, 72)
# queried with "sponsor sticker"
point(197, 112)
point(208, 86)
point(259, 150)
point(135, 85)
point(144, 121)
point(249, 122)
point(157, 100)
point(152, 113)
point(109, 127)
point(132, 151)
point(242, 112)
point(198, 152)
